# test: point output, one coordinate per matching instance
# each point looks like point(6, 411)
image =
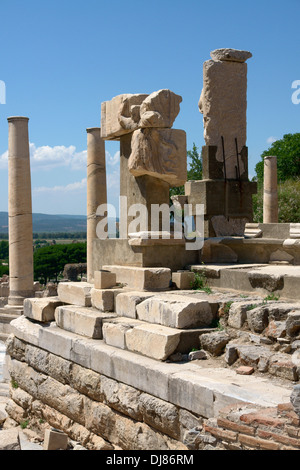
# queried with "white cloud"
point(47, 158)
point(271, 140)
point(112, 160)
point(71, 187)
point(3, 160)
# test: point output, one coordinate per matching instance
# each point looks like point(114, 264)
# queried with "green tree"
point(288, 202)
point(194, 171)
point(4, 250)
point(49, 261)
point(287, 151)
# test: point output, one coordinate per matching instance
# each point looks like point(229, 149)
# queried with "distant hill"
point(55, 223)
point(50, 223)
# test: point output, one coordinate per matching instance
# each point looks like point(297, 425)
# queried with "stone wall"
point(104, 414)
point(97, 411)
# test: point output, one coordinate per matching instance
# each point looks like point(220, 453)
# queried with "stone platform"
point(262, 279)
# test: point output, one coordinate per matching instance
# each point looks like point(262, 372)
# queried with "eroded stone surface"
point(233, 55)
point(175, 311)
point(160, 109)
point(160, 153)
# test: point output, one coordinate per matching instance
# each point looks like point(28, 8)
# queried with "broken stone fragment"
point(160, 109)
point(160, 153)
point(293, 323)
point(214, 342)
point(223, 103)
point(120, 115)
point(295, 399)
point(233, 55)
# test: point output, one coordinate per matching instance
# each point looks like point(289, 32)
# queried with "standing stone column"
point(270, 214)
point(96, 189)
point(20, 212)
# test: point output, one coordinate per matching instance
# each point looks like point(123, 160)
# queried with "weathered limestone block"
point(155, 341)
point(183, 279)
point(223, 103)
point(295, 399)
point(103, 299)
point(127, 302)
point(47, 363)
point(142, 278)
point(55, 440)
point(160, 109)
point(254, 355)
point(233, 55)
point(160, 415)
point(121, 397)
point(270, 282)
point(293, 323)
point(281, 365)
point(41, 309)
point(160, 153)
point(238, 313)
point(228, 226)
point(104, 279)
point(175, 311)
point(114, 332)
point(81, 320)
point(231, 354)
point(121, 115)
point(214, 342)
point(123, 431)
point(76, 293)
point(258, 319)
point(276, 329)
point(214, 251)
point(9, 439)
point(62, 398)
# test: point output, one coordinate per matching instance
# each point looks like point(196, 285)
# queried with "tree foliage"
point(287, 151)
point(4, 250)
point(49, 261)
point(288, 202)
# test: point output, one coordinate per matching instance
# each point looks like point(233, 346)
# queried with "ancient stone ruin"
point(164, 347)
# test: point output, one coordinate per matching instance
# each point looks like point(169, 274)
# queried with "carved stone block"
point(160, 153)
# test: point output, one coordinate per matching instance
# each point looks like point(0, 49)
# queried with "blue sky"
point(61, 59)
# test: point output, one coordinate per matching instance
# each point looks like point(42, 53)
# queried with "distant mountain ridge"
point(50, 223)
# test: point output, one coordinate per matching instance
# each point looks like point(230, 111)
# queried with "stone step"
point(84, 321)
point(5, 319)
point(42, 309)
point(75, 293)
point(126, 302)
point(175, 311)
point(151, 340)
point(141, 278)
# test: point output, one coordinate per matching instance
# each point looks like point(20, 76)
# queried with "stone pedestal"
point(225, 190)
point(20, 212)
point(270, 210)
point(96, 189)
point(145, 190)
point(227, 205)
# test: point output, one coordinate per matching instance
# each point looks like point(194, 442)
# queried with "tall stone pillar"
point(20, 212)
point(96, 189)
point(270, 209)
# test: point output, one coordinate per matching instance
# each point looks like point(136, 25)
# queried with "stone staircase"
point(7, 314)
point(178, 324)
